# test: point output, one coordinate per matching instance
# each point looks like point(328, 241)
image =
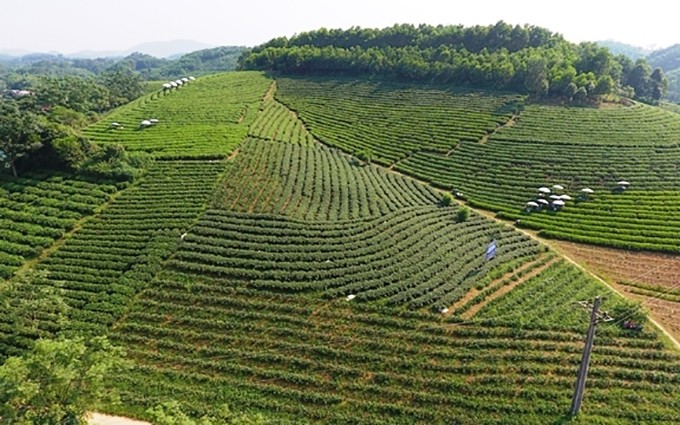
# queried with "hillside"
point(255, 266)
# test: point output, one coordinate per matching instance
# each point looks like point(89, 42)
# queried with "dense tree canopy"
point(58, 382)
point(520, 58)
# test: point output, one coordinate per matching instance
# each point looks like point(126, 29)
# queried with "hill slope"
point(498, 150)
point(297, 281)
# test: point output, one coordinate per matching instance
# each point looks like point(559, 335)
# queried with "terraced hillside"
point(299, 282)
point(35, 210)
point(507, 158)
point(206, 118)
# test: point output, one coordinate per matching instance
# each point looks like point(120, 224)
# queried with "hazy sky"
point(72, 25)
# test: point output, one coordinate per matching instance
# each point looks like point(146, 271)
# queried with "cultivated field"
point(289, 278)
point(498, 152)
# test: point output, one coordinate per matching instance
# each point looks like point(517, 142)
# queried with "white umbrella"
point(532, 204)
point(565, 198)
point(145, 122)
point(558, 203)
point(558, 187)
point(623, 183)
point(173, 84)
point(555, 197)
point(192, 78)
point(350, 297)
point(543, 201)
point(153, 121)
point(185, 79)
point(544, 190)
point(587, 190)
point(167, 85)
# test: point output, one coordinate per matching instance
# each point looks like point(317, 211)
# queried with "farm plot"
point(207, 118)
point(35, 210)
point(313, 182)
point(388, 118)
point(417, 256)
point(209, 341)
point(498, 152)
point(277, 123)
point(117, 253)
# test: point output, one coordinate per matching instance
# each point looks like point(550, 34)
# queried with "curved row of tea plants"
point(211, 341)
point(388, 118)
point(35, 210)
point(313, 182)
point(503, 176)
point(418, 255)
point(612, 125)
point(115, 254)
point(207, 118)
point(278, 123)
point(541, 146)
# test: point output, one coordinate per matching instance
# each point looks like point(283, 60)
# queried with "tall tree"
point(20, 133)
point(659, 84)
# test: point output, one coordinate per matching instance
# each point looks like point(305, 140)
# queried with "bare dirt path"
point(101, 419)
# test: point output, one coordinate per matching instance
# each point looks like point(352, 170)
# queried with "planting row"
point(117, 253)
point(208, 118)
point(35, 210)
point(313, 183)
point(393, 120)
point(420, 256)
point(212, 341)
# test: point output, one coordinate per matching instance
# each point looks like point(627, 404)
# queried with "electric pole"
point(595, 317)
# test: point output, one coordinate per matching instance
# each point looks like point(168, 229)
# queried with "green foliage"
point(72, 150)
point(634, 312)
point(207, 118)
point(469, 140)
point(525, 59)
point(20, 133)
point(447, 199)
point(462, 214)
point(58, 382)
point(170, 413)
point(123, 85)
point(114, 162)
point(365, 155)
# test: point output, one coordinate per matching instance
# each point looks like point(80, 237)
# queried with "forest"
point(525, 59)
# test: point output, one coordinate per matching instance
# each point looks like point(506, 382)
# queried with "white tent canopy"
point(543, 201)
point(558, 187)
point(544, 190)
point(587, 190)
point(558, 203)
point(532, 204)
point(555, 197)
point(623, 183)
point(565, 198)
point(145, 122)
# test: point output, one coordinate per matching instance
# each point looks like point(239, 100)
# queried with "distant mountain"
point(95, 54)
point(173, 49)
point(667, 59)
point(166, 49)
point(618, 48)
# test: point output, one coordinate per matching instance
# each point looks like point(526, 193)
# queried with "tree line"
point(525, 59)
point(41, 117)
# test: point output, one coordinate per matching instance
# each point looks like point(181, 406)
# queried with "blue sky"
point(68, 26)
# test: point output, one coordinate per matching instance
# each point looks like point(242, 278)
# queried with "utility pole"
point(595, 317)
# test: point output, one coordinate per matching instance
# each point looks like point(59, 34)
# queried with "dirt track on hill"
point(100, 419)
